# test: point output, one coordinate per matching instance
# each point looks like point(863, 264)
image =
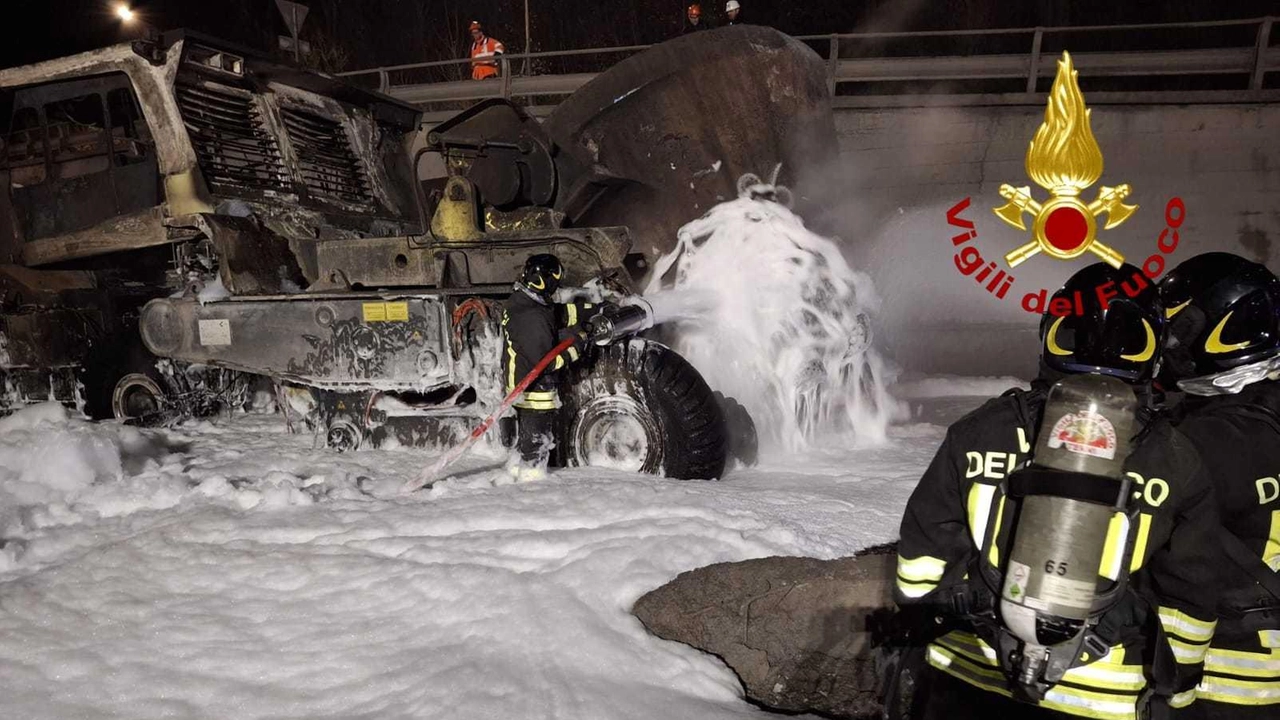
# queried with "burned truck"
point(185, 223)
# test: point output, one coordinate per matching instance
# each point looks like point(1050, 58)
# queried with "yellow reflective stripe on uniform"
point(1238, 692)
point(571, 311)
point(1186, 626)
point(540, 395)
point(1188, 653)
point(1113, 548)
point(969, 646)
point(1102, 706)
point(1271, 553)
point(1239, 662)
point(1082, 703)
point(1108, 675)
point(511, 367)
point(1269, 638)
point(915, 590)
point(994, 555)
point(1140, 545)
point(921, 569)
point(979, 507)
point(1182, 699)
point(573, 354)
point(964, 669)
point(537, 404)
point(559, 362)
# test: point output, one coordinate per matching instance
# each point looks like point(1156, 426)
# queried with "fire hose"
point(635, 316)
point(429, 477)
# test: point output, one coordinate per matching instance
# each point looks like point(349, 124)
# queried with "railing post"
point(1260, 53)
point(833, 61)
point(384, 83)
point(506, 78)
point(1033, 73)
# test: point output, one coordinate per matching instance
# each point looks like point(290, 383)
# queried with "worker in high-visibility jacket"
point(1143, 654)
point(532, 325)
point(484, 52)
point(1223, 351)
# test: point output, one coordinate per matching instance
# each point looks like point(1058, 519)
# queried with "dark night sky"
point(374, 32)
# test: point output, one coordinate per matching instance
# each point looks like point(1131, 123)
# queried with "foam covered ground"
point(230, 570)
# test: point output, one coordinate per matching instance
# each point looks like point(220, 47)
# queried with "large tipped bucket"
point(661, 137)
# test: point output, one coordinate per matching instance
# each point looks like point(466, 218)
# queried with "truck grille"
point(233, 147)
point(326, 163)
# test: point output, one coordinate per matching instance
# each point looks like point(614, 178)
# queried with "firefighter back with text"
point(1223, 351)
point(1056, 553)
point(532, 325)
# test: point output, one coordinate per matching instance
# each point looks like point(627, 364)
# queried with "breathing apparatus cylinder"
point(1070, 491)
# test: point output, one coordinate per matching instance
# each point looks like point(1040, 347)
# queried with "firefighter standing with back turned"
point(532, 325)
point(1223, 351)
point(998, 647)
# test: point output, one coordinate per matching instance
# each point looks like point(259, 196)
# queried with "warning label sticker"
point(215, 332)
point(385, 311)
point(1085, 433)
point(1065, 591)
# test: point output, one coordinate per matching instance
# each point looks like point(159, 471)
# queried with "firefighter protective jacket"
point(1170, 530)
point(1238, 437)
point(483, 58)
point(530, 330)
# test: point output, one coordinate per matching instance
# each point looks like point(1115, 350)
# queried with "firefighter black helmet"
point(1224, 313)
point(1104, 320)
point(542, 275)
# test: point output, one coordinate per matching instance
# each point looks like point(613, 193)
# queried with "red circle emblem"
point(1066, 228)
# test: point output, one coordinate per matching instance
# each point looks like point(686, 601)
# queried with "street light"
point(125, 13)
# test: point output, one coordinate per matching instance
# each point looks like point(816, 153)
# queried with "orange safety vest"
point(485, 47)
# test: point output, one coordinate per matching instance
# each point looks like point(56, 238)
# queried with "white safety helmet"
point(732, 5)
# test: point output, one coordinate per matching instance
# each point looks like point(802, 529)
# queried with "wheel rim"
point(136, 396)
point(616, 431)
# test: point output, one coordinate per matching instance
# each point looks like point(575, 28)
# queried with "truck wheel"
point(641, 407)
point(137, 397)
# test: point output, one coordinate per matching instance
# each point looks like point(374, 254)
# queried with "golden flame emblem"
point(1064, 158)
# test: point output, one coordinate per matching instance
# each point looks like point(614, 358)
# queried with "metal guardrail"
point(1251, 62)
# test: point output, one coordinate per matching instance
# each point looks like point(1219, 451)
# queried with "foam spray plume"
point(771, 314)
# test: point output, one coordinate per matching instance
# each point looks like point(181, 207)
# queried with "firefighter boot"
point(534, 443)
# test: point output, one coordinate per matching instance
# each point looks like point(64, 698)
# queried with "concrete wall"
point(901, 169)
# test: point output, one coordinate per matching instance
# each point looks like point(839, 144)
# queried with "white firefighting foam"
point(789, 332)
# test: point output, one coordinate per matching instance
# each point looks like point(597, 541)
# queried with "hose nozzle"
point(634, 316)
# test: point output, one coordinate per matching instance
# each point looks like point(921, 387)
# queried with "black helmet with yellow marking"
point(1104, 320)
point(542, 275)
point(1224, 314)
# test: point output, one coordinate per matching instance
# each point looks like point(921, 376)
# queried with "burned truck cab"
point(181, 215)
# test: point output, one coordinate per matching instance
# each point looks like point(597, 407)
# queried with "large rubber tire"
point(640, 406)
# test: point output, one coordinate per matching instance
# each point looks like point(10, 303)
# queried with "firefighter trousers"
point(535, 435)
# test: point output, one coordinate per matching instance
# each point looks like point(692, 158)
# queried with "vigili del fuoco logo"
point(1065, 160)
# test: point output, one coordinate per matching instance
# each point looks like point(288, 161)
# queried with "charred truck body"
point(182, 220)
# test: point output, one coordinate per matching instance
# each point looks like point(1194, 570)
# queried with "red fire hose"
point(428, 477)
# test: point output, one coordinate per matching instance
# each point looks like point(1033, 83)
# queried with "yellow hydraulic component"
point(457, 217)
